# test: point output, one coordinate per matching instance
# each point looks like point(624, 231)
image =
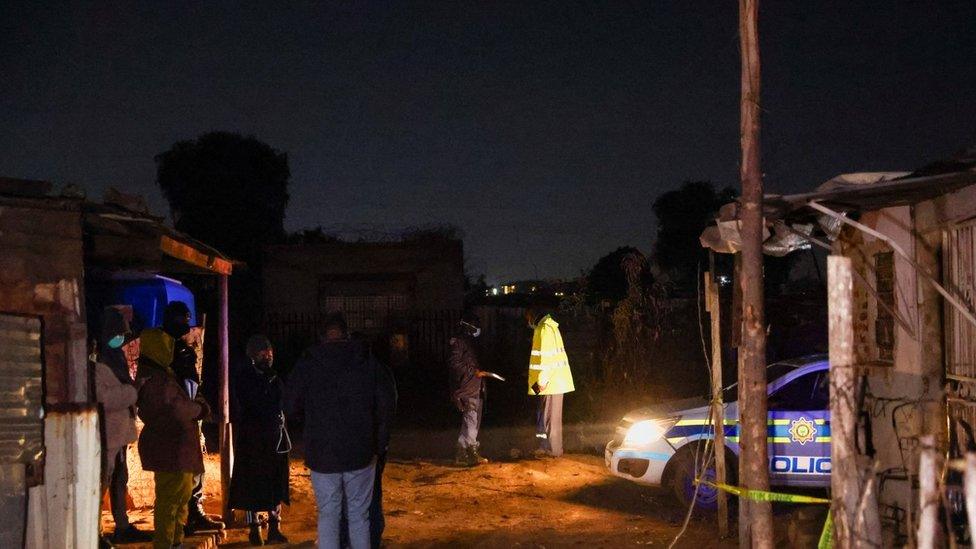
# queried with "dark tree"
point(227, 190)
point(475, 290)
point(682, 215)
point(607, 280)
point(311, 236)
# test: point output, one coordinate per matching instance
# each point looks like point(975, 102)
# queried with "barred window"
point(884, 326)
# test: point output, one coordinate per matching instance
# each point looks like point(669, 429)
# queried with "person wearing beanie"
point(169, 444)
point(116, 394)
point(261, 442)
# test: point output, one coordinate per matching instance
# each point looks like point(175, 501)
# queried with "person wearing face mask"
point(176, 323)
point(549, 379)
point(261, 442)
point(116, 394)
point(467, 390)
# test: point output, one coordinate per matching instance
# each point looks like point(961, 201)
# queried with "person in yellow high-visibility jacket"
point(549, 378)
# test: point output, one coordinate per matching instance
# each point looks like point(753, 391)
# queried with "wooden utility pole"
point(844, 482)
point(713, 305)
point(226, 439)
point(754, 458)
point(854, 502)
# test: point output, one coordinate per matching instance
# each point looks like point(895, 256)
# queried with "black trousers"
point(196, 497)
point(376, 521)
point(117, 479)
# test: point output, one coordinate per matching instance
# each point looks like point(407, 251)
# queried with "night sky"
point(543, 130)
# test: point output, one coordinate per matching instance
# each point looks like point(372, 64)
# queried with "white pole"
point(969, 482)
point(928, 494)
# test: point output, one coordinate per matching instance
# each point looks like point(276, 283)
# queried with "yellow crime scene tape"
point(826, 536)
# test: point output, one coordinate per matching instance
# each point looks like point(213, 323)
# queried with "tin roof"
point(121, 234)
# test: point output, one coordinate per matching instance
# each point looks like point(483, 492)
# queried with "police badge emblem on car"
point(803, 430)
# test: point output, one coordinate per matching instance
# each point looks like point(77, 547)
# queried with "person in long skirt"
point(261, 444)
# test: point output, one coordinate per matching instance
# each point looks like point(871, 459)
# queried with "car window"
point(807, 392)
point(773, 372)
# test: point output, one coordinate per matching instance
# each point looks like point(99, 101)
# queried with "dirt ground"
point(527, 503)
point(511, 502)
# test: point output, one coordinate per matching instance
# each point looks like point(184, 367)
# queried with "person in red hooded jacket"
point(169, 444)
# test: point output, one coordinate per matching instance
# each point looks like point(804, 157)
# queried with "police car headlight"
point(646, 432)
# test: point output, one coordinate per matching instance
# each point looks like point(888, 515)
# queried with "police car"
point(657, 446)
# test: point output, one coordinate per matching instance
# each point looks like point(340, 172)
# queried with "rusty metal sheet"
point(21, 390)
point(13, 504)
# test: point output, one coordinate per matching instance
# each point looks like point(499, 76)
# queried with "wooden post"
point(754, 457)
point(844, 481)
point(928, 493)
point(713, 305)
point(854, 502)
point(226, 439)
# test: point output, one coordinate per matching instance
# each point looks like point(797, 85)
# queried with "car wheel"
point(683, 479)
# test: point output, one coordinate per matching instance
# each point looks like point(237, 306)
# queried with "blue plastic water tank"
point(148, 298)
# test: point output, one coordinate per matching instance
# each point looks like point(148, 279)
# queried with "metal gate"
point(959, 267)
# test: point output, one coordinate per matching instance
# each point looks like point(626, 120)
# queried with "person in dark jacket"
point(176, 323)
point(169, 444)
point(337, 387)
point(261, 442)
point(377, 522)
point(467, 390)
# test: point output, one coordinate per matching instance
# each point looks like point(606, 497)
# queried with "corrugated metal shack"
point(50, 456)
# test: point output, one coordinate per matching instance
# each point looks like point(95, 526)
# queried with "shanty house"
point(53, 249)
point(911, 239)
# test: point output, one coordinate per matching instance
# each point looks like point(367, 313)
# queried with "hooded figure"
point(549, 379)
point(116, 395)
point(261, 442)
point(176, 323)
point(467, 389)
point(169, 444)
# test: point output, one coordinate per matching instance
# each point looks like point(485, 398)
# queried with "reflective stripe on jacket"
point(548, 363)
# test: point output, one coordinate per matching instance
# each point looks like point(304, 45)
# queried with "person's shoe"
point(274, 532)
point(461, 457)
point(474, 457)
point(201, 523)
point(105, 543)
point(131, 534)
point(539, 453)
point(254, 537)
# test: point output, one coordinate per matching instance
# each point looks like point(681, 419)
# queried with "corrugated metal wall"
point(21, 421)
point(21, 398)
